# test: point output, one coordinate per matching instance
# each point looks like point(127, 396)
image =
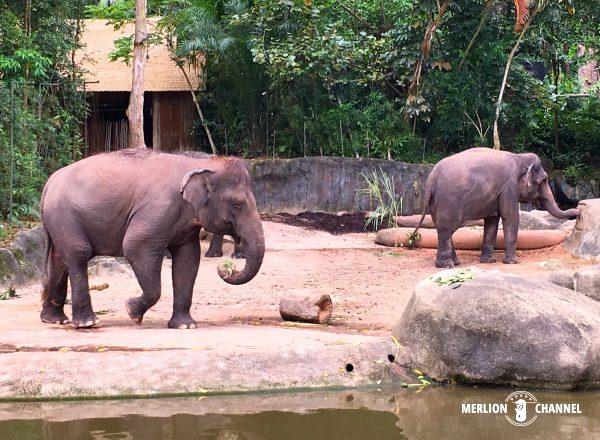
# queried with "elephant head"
point(534, 188)
point(224, 204)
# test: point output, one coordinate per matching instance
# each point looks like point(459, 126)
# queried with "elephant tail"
point(415, 236)
point(46, 287)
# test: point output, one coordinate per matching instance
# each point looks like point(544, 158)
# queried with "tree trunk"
point(313, 308)
point(199, 110)
point(505, 79)
point(484, 15)
point(433, 25)
point(135, 110)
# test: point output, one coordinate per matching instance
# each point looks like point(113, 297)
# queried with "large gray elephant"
point(482, 183)
point(137, 203)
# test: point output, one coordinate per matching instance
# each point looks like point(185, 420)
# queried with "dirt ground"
point(370, 285)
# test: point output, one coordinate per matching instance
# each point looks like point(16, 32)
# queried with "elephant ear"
point(195, 187)
point(528, 177)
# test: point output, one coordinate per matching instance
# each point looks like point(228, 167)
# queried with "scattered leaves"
point(453, 279)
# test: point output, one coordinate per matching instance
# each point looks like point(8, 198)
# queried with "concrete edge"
point(77, 375)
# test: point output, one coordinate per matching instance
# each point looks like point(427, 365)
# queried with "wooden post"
point(135, 110)
point(313, 308)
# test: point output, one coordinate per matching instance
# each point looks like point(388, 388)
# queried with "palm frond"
point(235, 7)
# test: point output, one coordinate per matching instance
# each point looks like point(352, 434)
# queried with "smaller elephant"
point(481, 183)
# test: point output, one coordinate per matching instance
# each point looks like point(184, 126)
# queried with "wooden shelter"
point(169, 111)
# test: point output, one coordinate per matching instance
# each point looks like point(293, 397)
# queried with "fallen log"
point(313, 308)
point(412, 221)
point(469, 238)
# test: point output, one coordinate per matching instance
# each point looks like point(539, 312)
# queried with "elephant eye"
point(236, 206)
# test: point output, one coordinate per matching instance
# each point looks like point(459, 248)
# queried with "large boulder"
point(502, 329)
point(587, 281)
point(23, 261)
point(584, 242)
point(538, 219)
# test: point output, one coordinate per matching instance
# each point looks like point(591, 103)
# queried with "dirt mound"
point(344, 223)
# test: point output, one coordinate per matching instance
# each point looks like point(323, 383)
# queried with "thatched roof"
point(161, 74)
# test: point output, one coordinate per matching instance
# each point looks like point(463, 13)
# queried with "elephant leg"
point(186, 259)
point(55, 291)
point(455, 258)
point(510, 222)
point(83, 314)
point(490, 231)
point(216, 246)
point(444, 252)
point(238, 251)
point(145, 258)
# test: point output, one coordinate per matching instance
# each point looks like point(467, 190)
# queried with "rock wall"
point(24, 260)
point(331, 184)
point(569, 194)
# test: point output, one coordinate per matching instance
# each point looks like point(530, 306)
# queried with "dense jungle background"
point(410, 80)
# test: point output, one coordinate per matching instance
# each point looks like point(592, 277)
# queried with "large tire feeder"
point(469, 238)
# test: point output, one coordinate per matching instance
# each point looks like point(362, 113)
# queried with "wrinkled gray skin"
point(139, 203)
point(482, 183)
point(216, 243)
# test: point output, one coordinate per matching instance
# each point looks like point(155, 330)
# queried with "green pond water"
point(432, 413)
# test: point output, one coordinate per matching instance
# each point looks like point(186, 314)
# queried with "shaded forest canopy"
point(411, 80)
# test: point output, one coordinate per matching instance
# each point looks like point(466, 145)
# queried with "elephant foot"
point(135, 309)
point(456, 261)
point(53, 316)
point(210, 254)
point(444, 264)
point(487, 259)
point(88, 321)
point(182, 322)
point(510, 260)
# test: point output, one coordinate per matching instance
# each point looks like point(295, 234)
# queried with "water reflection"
point(403, 414)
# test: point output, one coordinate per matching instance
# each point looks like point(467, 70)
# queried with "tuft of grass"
point(8, 294)
point(380, 187)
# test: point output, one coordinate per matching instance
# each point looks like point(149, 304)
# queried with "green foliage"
point(42, 107)
point(287, 78)
point(381, 189)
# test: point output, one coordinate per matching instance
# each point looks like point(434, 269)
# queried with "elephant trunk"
point(254, 250)
point(549, 204)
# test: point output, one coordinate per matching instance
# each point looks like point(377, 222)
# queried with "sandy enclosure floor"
point(370, 285)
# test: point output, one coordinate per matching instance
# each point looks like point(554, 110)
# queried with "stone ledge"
point(242, 360)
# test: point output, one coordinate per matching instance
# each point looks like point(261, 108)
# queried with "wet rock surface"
point(501, 329)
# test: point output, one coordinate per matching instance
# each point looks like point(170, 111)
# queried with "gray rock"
point(24, 260)
point(534, 220)
point(584, 242)
point(539, 220)
point(560, 278)
point(587, 281)
point(568, 193)
point(108, 266)
point(569, 225)
point(504, 330)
